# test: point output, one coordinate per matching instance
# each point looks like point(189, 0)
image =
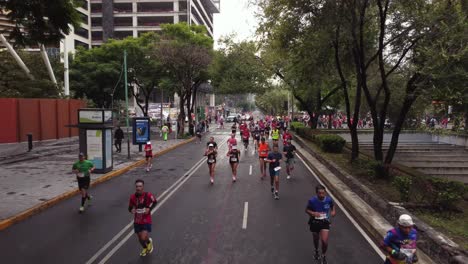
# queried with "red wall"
point(8, 120)
point(44, 118)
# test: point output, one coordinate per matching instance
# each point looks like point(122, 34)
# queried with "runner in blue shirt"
point(274, 159)
point(320, 209)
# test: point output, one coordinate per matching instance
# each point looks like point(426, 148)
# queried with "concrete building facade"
point(123, 18)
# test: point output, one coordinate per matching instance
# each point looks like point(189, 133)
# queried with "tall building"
point(123, 18)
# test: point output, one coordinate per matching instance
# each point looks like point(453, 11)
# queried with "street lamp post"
point(126, 103)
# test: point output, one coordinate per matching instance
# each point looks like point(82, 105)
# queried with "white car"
point(230, 118)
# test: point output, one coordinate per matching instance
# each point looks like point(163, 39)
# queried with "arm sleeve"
point(388, 239)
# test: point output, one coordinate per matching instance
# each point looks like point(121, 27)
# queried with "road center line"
point(250, 170)
point(174, 186)
point(246, 214)
point(358, 227)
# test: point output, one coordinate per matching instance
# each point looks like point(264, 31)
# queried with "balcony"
point(123, 8)
point(123, 21)
point(96, 8)
point(154, 21)
point(160, 7)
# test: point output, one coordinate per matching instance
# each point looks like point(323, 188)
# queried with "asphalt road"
point(194, 221)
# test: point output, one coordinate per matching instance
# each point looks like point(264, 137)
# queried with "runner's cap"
point(405, 220)
point(81, 154)
point(149, 142)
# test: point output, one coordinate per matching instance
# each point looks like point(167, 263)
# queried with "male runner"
point(289, 150)
point(211, 153)
point(263, 149)
point(320, 208)
point(165, 131)
point(274, 159)
point(275, 135)
point(234, 159)
point(148, 155)
point(286, 135)
point(267, 130)
point(140, 205)
point(400, 242)
point(256, 137)
point(83, 168)
point(245, 137)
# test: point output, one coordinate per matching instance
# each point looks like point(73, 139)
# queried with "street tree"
point(185, 53)
point(44, 22)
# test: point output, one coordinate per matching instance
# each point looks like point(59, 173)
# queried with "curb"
point(4, 224)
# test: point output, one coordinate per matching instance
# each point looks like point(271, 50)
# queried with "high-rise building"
point(123, 18)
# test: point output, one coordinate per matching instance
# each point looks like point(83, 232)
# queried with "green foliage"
point(331, 143)
point(15, 83)
point(272, 101)
point(403, 185)
point(295, 125)
point(236, 69)
point(42, 21)
point(445, 194)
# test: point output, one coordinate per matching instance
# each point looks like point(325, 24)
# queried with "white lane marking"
point(363, 233)
point(250, 170)
point(179, 181)
point(246, 214)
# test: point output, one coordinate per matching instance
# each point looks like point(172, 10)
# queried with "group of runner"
point(399, 243)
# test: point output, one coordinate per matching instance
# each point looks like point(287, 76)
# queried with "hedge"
point(330, 143)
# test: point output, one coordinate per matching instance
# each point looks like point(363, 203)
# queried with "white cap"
point(405, 220)
point(149, 142)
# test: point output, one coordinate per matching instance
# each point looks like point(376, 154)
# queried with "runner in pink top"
point(232, 141)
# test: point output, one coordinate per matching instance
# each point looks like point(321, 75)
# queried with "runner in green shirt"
point(83, 169)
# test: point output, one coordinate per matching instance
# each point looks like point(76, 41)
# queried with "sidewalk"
point(31, 178)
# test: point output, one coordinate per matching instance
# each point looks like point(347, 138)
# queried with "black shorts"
point(142, 227)
point(316, 226)
point(83, 182)
point(245, 140)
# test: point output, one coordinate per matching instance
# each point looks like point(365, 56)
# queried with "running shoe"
point(150, 247)
point(211, 180)
point(289, 177)
point(276, 196)
point(81, 209)
point(316, 255)
point(272, 189)
point(324, 260)
point(144, 252)
point(234, 179)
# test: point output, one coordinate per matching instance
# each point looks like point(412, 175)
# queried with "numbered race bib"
point(140, 211)
point(322, 216)
point(80, 175)
point(211, 161)
point(277, 168)
point(234, 159)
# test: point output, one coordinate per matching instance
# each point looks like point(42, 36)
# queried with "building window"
point(96, 8)
point(96, 35)
point(182, 5)
point(123, 8)
point(183, 18)
point(82, 32)
point(123, 21)
point(96, 21)
point(155, 7)
point(155, 21)
point(83, 4)
point(81, 44)
point(84, 18)
point(122, 34)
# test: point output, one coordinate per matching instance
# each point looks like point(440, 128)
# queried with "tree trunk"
point(354, 142)
point(181, 117)
point(189, 113)
point(314, 121)
point(466, 118)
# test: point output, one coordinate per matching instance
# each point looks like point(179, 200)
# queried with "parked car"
point(230, 118)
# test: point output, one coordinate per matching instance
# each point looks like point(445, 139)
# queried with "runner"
point(286, 135)
point(256, 137)
point(83, 168)
point(263, 149)
point(211, 160)
point(274, 159)
point(140, 205)
point(211, 142)
point(267, 130)
point(400, 242)
point(234, 159)
point(232, 141)
point(242, 127)
point(234, 128)
point(275, 135)
point(148, 155)
point(245, 138)
point(320, 208)
point(199, 132)
point(289, 150)
point(165, 131)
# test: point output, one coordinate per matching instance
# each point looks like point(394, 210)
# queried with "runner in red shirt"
point(245, 137)
point(232, 141)
point(140, 205)
point(148, 155)
point(286, 135)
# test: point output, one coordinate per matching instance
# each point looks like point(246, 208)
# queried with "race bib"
point(80, 175)
point(234, 159)
point(277, 168)
point(211, 161)
point(322, 216)
point(140, 211)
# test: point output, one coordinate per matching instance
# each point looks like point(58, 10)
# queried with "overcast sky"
point(236, 16)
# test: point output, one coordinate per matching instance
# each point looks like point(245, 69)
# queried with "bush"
point(330, 143)
point(295, 125)
point(445, 194)
point(403, 184)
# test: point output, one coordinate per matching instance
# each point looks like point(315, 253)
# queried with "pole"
point(46, 60)
point(16, 57)
point(162, 96)
point(66, 81)
point(126, 103)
